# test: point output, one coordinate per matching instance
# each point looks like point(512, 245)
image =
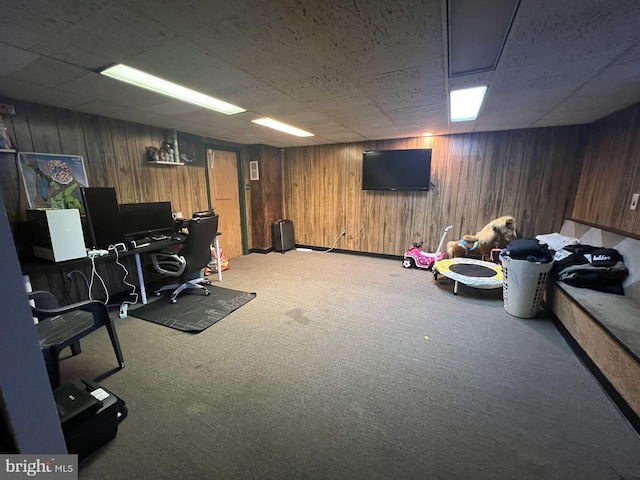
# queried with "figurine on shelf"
point(167, 150)
point(153, 155)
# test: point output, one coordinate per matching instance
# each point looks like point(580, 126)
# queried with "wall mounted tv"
point(396, 169)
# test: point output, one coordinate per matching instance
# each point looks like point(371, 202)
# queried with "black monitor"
point(140, 219)
point(397, 169)
point(103, 216)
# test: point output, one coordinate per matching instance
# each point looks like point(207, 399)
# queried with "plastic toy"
point(415, 257)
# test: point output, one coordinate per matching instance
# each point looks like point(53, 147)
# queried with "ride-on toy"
point(415, 257)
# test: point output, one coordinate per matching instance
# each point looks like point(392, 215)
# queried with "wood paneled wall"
point(611, 173)
point(266, 194)
point(114, 156)
point(531, 174)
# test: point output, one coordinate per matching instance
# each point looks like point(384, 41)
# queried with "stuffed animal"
point(495, 234)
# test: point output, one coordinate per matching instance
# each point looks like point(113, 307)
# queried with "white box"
point(56, 234)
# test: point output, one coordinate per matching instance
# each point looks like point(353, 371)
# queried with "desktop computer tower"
point(283, 237)
point(56, 234)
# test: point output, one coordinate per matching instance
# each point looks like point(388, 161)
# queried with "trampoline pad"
point(472, 272)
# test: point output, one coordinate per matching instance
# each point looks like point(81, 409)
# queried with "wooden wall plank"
point(114, 154)
point(537, 173)
point(611, 173)
point(43, 128)
point(95, 159)
point(477, 177)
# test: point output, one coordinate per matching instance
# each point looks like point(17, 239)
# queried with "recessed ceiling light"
point(466, 103)
point(158, 85)
point(271, 123)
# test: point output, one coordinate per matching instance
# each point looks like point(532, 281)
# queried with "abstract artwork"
point(52, 180)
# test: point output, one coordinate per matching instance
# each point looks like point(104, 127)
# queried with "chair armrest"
point(43, 299)
point(95, 307)
point(169, 263)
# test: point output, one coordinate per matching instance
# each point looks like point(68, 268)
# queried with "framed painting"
point(52, 180)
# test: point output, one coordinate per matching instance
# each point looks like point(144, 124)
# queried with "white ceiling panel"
point(346, 71)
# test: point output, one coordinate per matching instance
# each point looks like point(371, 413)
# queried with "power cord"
point(94, 273)
point(124, 306)
point(68, 276)
point(342, 234)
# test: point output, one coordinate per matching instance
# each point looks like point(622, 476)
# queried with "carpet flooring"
point(352, 367)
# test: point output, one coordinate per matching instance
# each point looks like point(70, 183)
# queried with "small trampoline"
point(470, 271)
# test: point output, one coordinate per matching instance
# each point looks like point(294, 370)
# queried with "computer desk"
point(35, 265)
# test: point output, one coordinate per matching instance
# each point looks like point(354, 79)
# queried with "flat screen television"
point(396, 169)
point(103, 217)
point(141, 219)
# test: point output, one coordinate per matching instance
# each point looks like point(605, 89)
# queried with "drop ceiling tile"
point(72, 54)
point(172, 107)
point(555, 33)
point(116, 32)
point(192, 15)
point(31, 92)
point(111, 110)
point(49, 17)
point(15, 59)
point(180, 61)
point(265, 26)
point(49, 72)
point(17, 36)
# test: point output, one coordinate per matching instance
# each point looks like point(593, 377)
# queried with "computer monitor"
point(140, 219)
point(103, 216)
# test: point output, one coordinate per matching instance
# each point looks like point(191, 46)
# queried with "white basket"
point(523, 286)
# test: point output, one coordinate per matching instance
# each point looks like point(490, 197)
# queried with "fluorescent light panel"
point(271, 123)
point(466, 103)
point(164, 87)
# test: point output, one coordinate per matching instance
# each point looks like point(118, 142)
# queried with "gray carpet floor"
point(348, 366)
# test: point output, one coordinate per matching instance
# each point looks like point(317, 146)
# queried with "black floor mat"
point(194, 312)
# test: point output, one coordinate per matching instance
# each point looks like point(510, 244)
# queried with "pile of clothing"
point(579, 265)
point(597, 268)
point(529, 249)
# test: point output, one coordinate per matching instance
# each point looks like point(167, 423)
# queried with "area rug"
point(194, 312)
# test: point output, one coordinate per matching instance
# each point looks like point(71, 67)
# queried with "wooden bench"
point(606, 326)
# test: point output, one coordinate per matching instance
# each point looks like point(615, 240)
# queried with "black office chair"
point(192, 258)
point(61, 327)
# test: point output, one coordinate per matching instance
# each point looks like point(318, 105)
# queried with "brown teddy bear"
point(495, 234)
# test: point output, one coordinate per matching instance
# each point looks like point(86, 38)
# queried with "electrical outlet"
point(634, 201)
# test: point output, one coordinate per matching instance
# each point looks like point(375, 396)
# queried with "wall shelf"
point(165, 163)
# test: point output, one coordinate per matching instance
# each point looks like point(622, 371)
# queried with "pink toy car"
point(415, 257)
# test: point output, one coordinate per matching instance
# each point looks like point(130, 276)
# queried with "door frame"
point(241, 192)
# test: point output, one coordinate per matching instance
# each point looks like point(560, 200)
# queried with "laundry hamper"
point(524, 285)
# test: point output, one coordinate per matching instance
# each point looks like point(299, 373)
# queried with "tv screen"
point(103, 216)
point(396, 169)
point(139, 219)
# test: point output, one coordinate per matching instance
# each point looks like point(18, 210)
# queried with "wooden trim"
point(605, 228)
